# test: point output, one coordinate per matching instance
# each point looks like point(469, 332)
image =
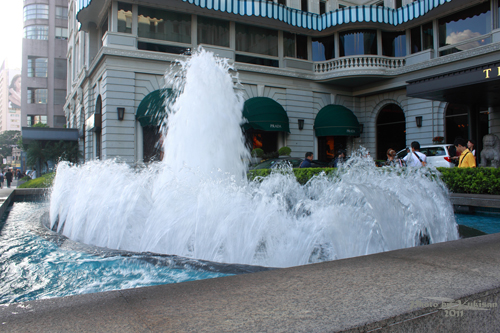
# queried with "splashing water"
point(197, 202)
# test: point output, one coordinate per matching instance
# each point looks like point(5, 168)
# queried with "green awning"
point(335, 120)
point(265, 114)
point(151, 110)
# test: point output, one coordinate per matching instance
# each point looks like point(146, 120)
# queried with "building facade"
point(10, 98)
point(44, 62)
point(316, 75)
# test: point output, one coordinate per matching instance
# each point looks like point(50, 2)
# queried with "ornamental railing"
point(359, 62)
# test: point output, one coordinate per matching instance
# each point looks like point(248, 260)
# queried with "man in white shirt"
point(415, 158)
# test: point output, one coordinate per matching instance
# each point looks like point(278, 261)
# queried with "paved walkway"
point(6, 194)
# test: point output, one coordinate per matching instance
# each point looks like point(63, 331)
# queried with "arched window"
point(391, 130)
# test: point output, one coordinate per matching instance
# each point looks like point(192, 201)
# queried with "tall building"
point(333, 74)
point(10, 98)
point(44, 64)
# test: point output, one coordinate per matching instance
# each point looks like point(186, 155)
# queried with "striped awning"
point(312, 21)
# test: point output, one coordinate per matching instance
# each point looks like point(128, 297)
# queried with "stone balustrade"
point(359, 62)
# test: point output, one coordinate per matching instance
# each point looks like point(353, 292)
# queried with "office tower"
point(44, 62)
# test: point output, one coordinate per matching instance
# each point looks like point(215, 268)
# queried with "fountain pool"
point(37, 263)
point(197, 203)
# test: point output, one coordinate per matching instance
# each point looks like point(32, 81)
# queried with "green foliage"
point(284, 151)
point(471, 180)
point(458, 180)
point(40, 125)
point(303, 175)
point(44, 181)
point(52, 151)
point(257, 152)
point(8, 140)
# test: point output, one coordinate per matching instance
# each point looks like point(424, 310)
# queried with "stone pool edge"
point(401, 290)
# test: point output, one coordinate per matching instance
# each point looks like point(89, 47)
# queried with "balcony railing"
point(359, 62)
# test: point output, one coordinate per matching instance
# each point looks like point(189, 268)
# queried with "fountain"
point(197, 202)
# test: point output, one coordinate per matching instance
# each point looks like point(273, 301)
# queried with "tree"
point(40, 152)
point(8, 140)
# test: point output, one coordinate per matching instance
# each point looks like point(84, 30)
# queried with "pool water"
point(35, 266)
point(487, 222)
point(37, 263)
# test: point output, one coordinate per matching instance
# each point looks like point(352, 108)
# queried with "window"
point(164, 25)
point(32, 12)
point(322, 7)
point(60, 69)
point(36, 32)
point(61, 33)
point(60, 121)
point(104, 29)
point(61, 13)
point(323, 48)
point(422, 38)
point(213, 32)
point(469, 24)
point(37, 96)
point(256, 40)
point(282, 2)
point(289, 44)
point(394, 44)
point(33, 120)
point(124, 17)
point(59, 96)
point(303, 5)
point(37, 67)
point(358, 42)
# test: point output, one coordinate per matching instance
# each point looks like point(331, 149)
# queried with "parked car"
point(293, 161)
point(437, 155)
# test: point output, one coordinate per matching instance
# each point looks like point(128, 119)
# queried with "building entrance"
point(391, 130)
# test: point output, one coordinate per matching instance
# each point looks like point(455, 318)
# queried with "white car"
point(437, 155)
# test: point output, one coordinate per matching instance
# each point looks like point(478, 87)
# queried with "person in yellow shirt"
point(466, 159)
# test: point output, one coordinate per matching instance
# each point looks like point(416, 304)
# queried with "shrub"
point(284, 151)
point(302, 175)
point(257, 152)
point(458, 180)
point(44, 181)
point(471, 180)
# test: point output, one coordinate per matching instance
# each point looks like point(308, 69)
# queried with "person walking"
point(1, 178)
point(415, 158)
point(8, 176)
point(466, 159)
point(307, 162)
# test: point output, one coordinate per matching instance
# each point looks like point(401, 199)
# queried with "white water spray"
point(197, 203)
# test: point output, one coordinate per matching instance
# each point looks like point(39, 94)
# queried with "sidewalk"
point(6, 195)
